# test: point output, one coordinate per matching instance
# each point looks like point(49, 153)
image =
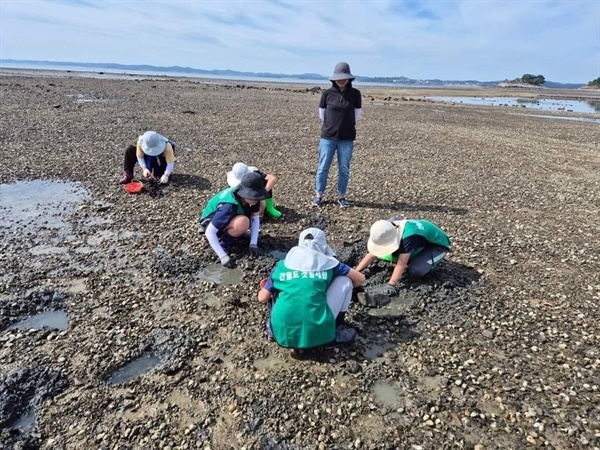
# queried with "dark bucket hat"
point(341, 72)
point(252, 187)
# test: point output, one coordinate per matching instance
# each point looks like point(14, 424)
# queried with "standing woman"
point(339, 109)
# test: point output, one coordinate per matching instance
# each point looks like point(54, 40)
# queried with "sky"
point(450, 40)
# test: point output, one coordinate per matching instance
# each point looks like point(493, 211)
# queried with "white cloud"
point(483, 40)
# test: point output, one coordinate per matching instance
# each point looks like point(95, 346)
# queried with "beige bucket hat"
point(385, 236)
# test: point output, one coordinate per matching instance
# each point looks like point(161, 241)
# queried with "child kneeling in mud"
point(311, 292)
point(417, 245)
point(230, 213)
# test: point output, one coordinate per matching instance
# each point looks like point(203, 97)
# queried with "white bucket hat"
point(235, 175)
point(153, 144)
point(312, 253)
point(385, 237)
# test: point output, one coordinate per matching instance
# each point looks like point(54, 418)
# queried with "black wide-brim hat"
point(252, 187)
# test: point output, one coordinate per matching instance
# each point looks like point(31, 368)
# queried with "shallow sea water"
point(545, 104)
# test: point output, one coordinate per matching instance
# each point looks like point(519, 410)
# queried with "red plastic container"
point(135, 187)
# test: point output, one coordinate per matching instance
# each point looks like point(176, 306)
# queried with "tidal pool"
point(58, 320)
point(278, 254)
point(576, 119)
point(26, 422)
point(135, 368)
point(218, 274)
point(398, 306)
point(374, 350)
point(387, 394)
point(271, 363)
point(545, 104)
point(39, 203)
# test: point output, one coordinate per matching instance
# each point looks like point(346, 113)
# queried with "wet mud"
point(21, 395)
point(496, 348)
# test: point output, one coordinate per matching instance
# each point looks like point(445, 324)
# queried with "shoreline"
point(395, 92)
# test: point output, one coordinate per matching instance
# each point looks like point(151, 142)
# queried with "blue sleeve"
point(223, 215)
point(411, 243)
point(341, 270)
point(269, 285)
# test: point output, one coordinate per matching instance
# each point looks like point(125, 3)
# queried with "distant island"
point(232, 73)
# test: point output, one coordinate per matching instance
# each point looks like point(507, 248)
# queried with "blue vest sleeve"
point(269, 285)
point(341, 270)
point(412, 243)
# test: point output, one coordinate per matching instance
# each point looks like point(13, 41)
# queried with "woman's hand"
point(147, 173)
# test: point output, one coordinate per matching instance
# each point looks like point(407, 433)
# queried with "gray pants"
point(425, 261)
point(339, 294)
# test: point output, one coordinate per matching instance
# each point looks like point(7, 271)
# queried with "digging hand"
point(255, 250)
point(226, 261)
point(386, 289)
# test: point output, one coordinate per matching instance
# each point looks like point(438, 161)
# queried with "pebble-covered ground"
point(499, 348)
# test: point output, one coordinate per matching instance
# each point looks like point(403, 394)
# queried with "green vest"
point(301, 317)
point(225, 196)
point(434, 235)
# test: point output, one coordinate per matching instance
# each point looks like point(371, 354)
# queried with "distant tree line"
point(535, 80)
point(595, 83)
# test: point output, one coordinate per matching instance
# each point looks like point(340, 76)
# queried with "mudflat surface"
point(497, 349)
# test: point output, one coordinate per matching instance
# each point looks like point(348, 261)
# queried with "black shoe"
point(344, 335)
point(343, 202)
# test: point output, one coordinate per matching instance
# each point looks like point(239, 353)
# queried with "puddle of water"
point(577, 119)
point(390, 395)
point(83, 98)
point(278, 254)
point(211, 299)
point(397, 307)
point(546, 104)
point(77, 285)
point(374, 351)
point(218, 274)
point(26, 422)
point(39, 203)
point(107, 235)
point(39, 250)
point(271, 363)
point(48, 319)
point(135, 368)
point(97, 221)
point(86, 250)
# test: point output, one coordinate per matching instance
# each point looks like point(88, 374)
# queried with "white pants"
point(339, 294)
